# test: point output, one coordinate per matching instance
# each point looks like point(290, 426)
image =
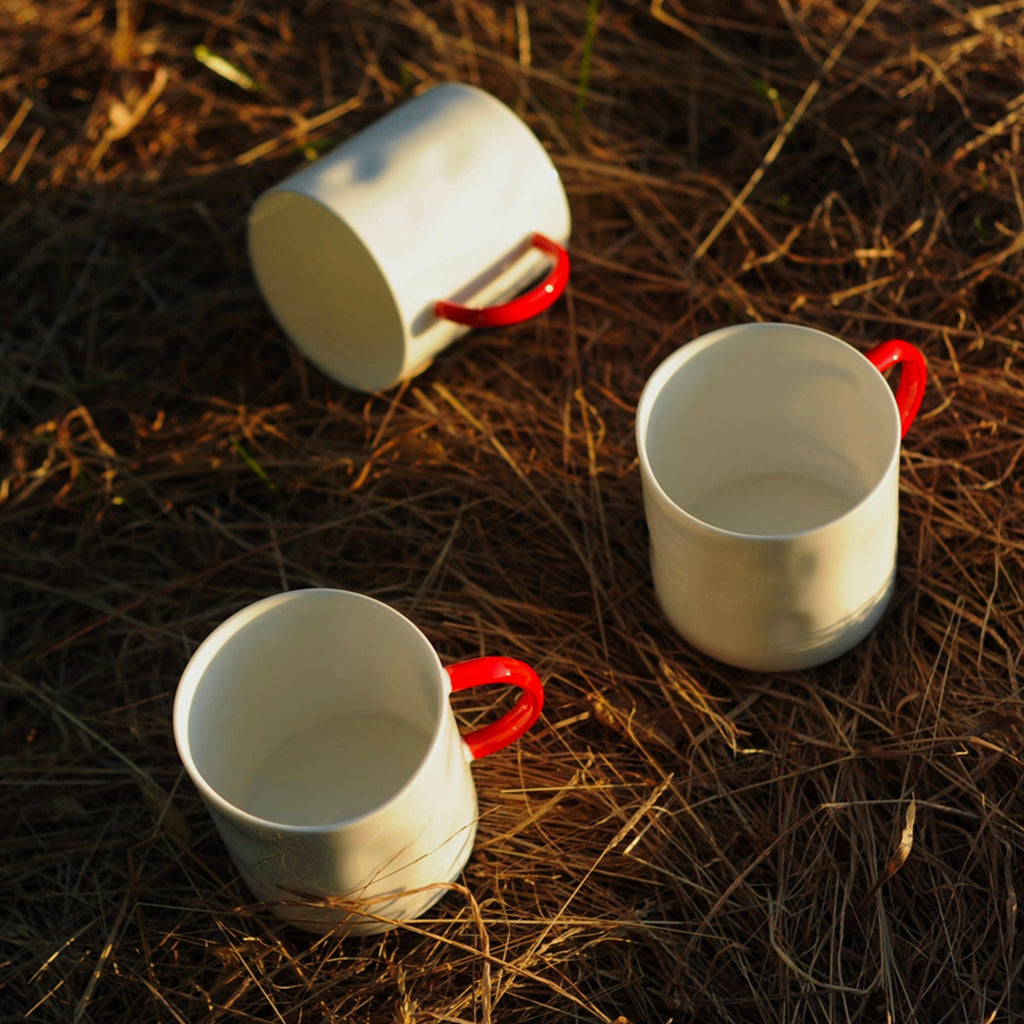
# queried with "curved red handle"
point(913, 373)
point(522, 308)
point(481, 672)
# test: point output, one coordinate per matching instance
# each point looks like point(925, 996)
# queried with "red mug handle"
point(481, 672)
point(522, 308)
point(913, 372)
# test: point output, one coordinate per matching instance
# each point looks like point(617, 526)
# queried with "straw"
point(676, 840)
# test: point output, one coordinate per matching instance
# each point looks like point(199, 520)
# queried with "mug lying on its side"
point(385, 250)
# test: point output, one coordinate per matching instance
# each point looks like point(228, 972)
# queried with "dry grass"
point(677, 840)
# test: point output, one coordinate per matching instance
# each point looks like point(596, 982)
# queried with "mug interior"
point(768, 429)
point(310, 708)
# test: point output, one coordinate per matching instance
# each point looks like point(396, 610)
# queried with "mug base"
point(346, 918)
point(787, 646)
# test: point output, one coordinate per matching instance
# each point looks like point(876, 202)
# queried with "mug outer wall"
point(421, 837)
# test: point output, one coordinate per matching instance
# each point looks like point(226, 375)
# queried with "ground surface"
point(676, 840)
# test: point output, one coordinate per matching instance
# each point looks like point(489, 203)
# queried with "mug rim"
point(191, 679)
point(671, 364)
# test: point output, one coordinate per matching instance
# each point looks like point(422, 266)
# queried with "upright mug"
point(316, 726)
point(769, 459)
point(385, 250)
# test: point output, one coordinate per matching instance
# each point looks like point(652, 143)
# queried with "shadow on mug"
point(520, 267)
point(370, 908)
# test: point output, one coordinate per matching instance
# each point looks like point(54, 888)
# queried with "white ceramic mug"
point(769, 458)
point(382, 252)
point(316, 726)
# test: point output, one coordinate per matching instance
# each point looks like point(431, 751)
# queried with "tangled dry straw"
point(677, 841)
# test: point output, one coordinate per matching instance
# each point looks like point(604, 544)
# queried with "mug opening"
point(309, 709)
point(767, 430)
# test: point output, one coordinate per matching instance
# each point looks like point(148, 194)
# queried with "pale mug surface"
point(769, 458)
point(385, 250)
point(316, 726)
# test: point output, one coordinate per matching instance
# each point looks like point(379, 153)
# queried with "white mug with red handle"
point(425, 224)
point(769, 460)
point(316, 726)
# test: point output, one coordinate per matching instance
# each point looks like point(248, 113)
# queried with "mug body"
point(435, 201)
point(317, 728)
point(769, 459)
